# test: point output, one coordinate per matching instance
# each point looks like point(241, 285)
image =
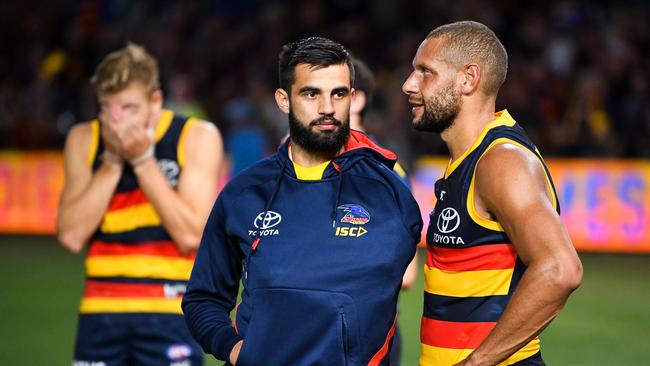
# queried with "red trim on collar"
point(359, 140)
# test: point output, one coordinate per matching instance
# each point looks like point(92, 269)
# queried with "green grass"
point(606, 322)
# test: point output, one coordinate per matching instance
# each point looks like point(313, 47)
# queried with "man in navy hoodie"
point(319, 234)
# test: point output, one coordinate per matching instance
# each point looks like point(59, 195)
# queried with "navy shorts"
point(135, 339)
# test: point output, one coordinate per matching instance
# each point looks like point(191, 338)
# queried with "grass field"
point(607, 321)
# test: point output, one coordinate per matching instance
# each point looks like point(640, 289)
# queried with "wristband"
point(142, 158)
point(110, 158)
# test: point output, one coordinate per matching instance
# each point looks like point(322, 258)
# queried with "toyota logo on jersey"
point(448, 220)
point(267, 220)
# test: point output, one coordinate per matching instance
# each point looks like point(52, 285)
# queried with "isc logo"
point(350, 231)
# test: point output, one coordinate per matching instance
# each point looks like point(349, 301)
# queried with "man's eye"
point(311, 95)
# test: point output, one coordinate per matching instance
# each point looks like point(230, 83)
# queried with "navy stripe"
point(517, 273)
point(137, 236)
point(534, 360)
point(464, 309)
point(152, 281)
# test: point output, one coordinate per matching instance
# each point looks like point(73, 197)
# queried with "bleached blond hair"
point(122, 67)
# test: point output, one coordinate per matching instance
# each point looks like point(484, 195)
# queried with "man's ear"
point(156, 103)
point(282, 100)
point(358, 102)
point(471, 78)
point(156, 100)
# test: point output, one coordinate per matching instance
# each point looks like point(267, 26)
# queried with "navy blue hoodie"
point(321, 262)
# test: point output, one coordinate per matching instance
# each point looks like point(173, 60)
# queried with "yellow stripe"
point(130, 218)
point(526, 351)
point(139, 266)
point(399, 170)
point(130, 305)
point(471, 208)
point(502, 118)
point(163, 123)
point(310, 173)
point(180, 150)
point(438, 356)
point(94, 141)
point(467, 283)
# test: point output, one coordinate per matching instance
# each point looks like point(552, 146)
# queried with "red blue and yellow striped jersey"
point(472, 268)
point(132, 263)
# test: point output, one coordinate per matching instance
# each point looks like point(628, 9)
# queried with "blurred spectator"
point(245, 143)
point(579, 71)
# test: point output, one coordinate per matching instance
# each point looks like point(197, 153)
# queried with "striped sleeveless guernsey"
point(472, 268)
point(132, 263)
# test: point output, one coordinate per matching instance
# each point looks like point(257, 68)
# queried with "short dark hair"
point(469, 41)
point(317, 52)
point(364, 79)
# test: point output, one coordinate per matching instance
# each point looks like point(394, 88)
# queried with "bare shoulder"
point(80, 137)
point(203, 144)
point(510, 164)
point(203, 131)
point(509, 175)
point(81, 131)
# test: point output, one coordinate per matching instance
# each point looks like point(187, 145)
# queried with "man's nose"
point(326, 106)
point(410, 85)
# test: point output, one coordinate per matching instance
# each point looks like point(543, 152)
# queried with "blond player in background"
point(139, 184)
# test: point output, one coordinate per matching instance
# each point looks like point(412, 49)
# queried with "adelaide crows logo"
point(354, 214)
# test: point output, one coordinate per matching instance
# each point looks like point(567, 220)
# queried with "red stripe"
point(481, 257)
point(127, 199)
point(159, 248)
point(234, 319)
point(457, 335)
point(113, 289)
point(359, 140)
point(379, 356)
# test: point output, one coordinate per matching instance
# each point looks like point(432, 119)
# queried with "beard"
point(440, 111)
point(321, 143)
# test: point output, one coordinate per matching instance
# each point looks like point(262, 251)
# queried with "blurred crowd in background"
point(578, 79)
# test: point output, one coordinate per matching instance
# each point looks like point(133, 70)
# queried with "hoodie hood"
point(358, 146)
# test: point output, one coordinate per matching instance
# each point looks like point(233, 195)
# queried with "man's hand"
point(129, 137)
point(234, 353)
point(135, 136)
point(109, 134)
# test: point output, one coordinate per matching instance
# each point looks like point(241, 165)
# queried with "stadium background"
point(578, 82)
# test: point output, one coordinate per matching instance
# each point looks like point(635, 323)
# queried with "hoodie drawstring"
point(338, 193)
point(278, 180)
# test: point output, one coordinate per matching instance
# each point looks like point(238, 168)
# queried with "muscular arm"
point(511, 188)
point(85, 195)
point(184, 212)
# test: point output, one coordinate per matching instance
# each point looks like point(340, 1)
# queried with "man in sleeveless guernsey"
point(139, 184)
point(500, 265)
point(319, 234)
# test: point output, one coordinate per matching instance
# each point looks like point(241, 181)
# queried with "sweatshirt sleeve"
point(212, 290)
point(411, 216)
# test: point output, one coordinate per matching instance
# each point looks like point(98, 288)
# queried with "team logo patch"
point(179, 351)
point(448, 221)
point(267, 220)
point(170, 169)
point(354, 214)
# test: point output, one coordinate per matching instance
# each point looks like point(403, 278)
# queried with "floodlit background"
point(578, 82)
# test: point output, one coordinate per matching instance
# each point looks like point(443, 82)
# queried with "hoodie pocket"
point(300, 327)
